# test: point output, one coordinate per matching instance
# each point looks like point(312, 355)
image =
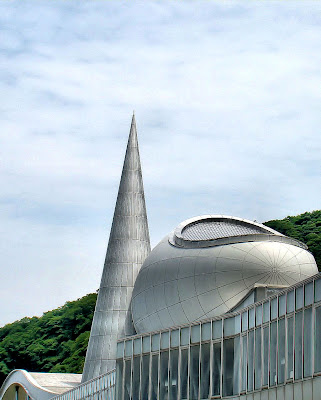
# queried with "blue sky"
point(227, 101)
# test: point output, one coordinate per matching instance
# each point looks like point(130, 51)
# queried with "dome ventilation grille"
point(207, 230)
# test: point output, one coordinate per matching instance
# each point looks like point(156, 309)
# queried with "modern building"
point(221, 308)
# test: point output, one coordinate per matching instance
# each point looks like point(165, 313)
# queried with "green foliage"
point(55, 342)
point(305, 227)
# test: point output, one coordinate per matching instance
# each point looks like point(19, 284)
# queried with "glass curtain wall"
point(265, 345)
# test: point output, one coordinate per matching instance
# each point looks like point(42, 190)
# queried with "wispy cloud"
point(227, 101)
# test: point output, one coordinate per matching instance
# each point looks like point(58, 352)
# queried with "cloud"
point(227, 101)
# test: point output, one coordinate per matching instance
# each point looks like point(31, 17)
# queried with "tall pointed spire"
point(127, 249)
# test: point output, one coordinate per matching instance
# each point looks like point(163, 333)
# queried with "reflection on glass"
point(194, 371)
point(298, 346)
point(274, 308)
point(299, 298)
point(119, 379)
point(258, 358)
point(266, 311)
point(195, 334)
point(290, 301)
point(217, 329)
point(146, 344)
point(163, 375)
point(184, 373)
point(165, 340)
point(308, 343)
point(244, 362)
point(137, 346)
point(317, 339)
point(273, 342)
point(145, 377)
point(155, 342)
point(184, 336)
point(205, 371)
point(317, 290)
point(127, 380)
point(290, 374)
point(308, 294)
point(251, 318)
point(206, 331)
point(250, 358)
point(266, 332)
point(175, 338)
point(154, 378)
point(136, 380)
point(282, 305)
point(281, 351)
point(216, 370)
point(244, 321)
point(173, 377)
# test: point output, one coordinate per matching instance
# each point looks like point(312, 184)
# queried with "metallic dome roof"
point(199, 272)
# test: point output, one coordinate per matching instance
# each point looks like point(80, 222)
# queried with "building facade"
point(222, 307)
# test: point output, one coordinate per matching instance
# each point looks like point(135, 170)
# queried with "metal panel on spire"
point(127, 249)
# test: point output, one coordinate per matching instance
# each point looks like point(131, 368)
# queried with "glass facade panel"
point(136, 377)
point(244, 363)
point(165, 340)
point(184, 336)
point(184, 374)
point(127, 380)
point(194, 372)
point(146, 344)
point(175, 338)
point(216, 370)
point(317, 339)
point(163, 375)
point(273, 343)
point(154, 378)
point(251, 318)
point(308, 294)
point(258, 315)
point(205, 371)
point(299, 298)
point(128, 348)
point(317, 290)
point(308, 343)
point(290, 358)
point(258, 358)
point(119, 379)
point(298, 346)
point(120, 350)
point(155, 342)
point(274, 308)
point(173, 375)
point(250, 358)
point(282, 305)
point(281, 351)
point(206, 331)
point(145, 377)
point(266, 311)
point(195, 334)
point(137, 346)
point(231, 367)
point(266, 350)
point(290, 301)
point(245, 323)
point(217, 329)
point(229, 326)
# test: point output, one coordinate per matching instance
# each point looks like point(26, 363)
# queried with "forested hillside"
point(57, 341)
point(305, 227)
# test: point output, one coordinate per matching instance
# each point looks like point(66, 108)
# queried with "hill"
point(305, 227)
point(57, 341)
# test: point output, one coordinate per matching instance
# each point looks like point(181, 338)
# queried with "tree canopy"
point(57, 341)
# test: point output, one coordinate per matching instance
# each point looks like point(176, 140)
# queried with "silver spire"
point(127, 249)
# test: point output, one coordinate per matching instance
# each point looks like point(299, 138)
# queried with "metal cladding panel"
point(185, 285)
point(127, 249)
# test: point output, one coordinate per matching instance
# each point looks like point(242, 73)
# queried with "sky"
point(227, 101)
